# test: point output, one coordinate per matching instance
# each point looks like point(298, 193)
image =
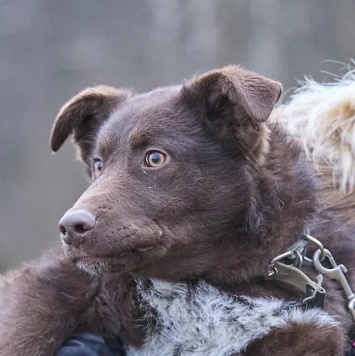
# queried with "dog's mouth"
point(129, 259)
point(87, 258)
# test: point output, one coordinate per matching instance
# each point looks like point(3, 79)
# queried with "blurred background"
point(50, 50)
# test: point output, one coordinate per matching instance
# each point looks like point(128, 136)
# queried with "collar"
point(287, 268)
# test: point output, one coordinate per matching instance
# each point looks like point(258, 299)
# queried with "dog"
point(193, 192)
point(322, 117)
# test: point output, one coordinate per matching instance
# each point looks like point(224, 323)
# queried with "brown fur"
point(289, 341)
point(234, 192)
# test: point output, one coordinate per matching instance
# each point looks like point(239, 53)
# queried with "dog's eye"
point(155, 159)
point(98, 167)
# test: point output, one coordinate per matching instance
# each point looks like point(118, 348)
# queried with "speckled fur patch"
point(198, 319)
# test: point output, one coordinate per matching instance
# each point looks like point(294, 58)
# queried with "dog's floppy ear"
point(252, 95)
point(83, 114)
point(237, 99)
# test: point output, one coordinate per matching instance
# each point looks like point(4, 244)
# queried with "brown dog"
point(193, 193)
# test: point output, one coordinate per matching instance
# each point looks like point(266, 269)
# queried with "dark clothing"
point(92, 345)
point(86, 344)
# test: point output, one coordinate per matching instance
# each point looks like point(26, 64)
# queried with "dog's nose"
point(74, 225)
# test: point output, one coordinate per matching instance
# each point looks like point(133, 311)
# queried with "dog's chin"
point(105, 266)
point(101, 266)
point(94, 266)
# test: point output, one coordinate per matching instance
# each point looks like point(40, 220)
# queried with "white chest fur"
point(198, 319)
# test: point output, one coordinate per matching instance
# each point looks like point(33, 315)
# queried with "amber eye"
point(98, 167)
point(155, 159)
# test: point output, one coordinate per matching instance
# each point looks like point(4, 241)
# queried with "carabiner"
point(337, 273)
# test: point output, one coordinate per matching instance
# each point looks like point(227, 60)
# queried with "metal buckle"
point(272, 270)
point(294, 257)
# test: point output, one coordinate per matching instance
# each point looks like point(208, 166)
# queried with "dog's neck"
point(286, 201)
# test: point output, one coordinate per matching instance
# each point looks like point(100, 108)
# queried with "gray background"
point(50, 50)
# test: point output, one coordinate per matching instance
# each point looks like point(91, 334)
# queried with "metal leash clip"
point(337, 273)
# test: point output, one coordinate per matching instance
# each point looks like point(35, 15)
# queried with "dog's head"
point(175, 173)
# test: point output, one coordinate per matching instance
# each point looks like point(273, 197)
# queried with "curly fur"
point(322, 117)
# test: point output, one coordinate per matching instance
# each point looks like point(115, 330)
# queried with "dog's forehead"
point(141, 116)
